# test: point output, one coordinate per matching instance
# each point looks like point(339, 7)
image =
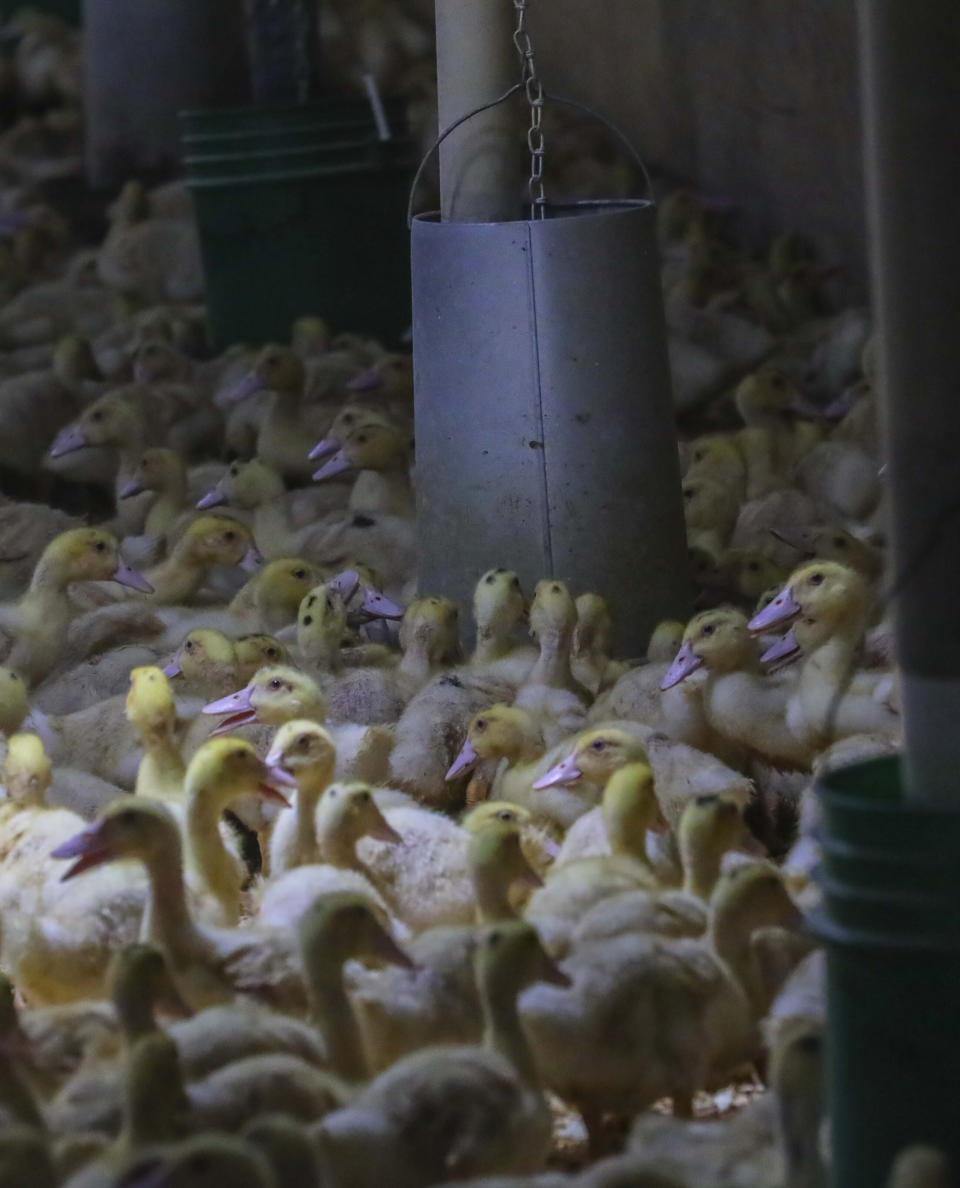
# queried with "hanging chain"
point(534, 92)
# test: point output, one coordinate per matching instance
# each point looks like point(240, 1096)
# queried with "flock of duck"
point(292, 892)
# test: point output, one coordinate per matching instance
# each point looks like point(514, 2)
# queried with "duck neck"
point(334, 1017)
point(170, 502)
point(386, 491)
point(701, 867)
point(178, 578)
point(552, 666)
point(502, 1031)
point(630, 842)
point(134, 1009)
point(492, 893)
point(170, 925)
point(494, 641)
point(48, 589)
point(321, 651)
point(207, 855)
point(272, 530)
point(729, 940)
point(162, 768)
point(149, 1115)
point(417, 663)
point(310, 787)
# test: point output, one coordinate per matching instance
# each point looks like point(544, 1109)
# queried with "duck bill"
point(67, 441)
point(129, 577)
point(783, 651)
point(271, 795)
point(324, 448)
point(128, 490)
point(277, 776)
point(552, 974)
point(684, 663)
point(387, 949)
point(212, 498)
point(252, 560)
point(172, 669)
point(560, 775)
point(233, 703)
point(379, 606)
point(383, 831)
point(346, 584)
point(365, 381)
point(247, 385)
point(781, 610)
point(338, 464)
point(88, 847)
point(466, 761)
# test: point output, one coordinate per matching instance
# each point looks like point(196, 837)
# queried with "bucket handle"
point(583, 107)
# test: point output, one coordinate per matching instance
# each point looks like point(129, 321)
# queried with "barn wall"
point(752, 99)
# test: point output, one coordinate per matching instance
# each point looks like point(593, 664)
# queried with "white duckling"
point(591, 661)
point(287, 421)
point(151, 709)
point(345, 815)
point(485, 1102)
point(829, 605)
point(379, 452)
point(629, 810)
point(39, 622)
point(741, 704)
point(208, 965)
point(256, 488)
point(499, 609)
point(435, 1000)
point(551, 692)
point(686, 1010)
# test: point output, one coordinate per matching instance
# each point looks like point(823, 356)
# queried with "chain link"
point(533, 89)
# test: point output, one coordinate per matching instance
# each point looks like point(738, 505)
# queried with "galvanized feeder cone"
point(544, 421)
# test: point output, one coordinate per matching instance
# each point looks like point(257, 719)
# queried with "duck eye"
point(363, 439)
point(303, 741)
point(271, 653)
point(234, 469)
point(229, 536)
point(598, 745)
point(839, 542)
point(276, 684)
point(332, 793)
point(100, 546)
point(189, 645)
point(515, 582)
point(307, 620)
point(363, 796)
point(688, 492)
point(708, 629)
point(698, 455)
point(504, 815)
point(816, 579)
point(490, 579)
point(480, 724)
point(300, 573)
point(96, 416)
point(753, 566)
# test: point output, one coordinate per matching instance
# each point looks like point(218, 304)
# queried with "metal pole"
point(476, 62)
point(911, 96)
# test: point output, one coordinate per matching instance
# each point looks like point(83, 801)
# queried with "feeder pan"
point(544, 419)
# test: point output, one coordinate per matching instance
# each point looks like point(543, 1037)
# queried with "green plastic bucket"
point(300, 214)
point(890, 920)
point(66, 10)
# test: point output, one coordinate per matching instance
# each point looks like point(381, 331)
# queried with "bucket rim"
point(556, 211)
point(297, 153)
point(843, 849)
point(867, 805)
point(349, 103)
point(843, 937)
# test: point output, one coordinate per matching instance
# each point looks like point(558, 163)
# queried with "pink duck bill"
point(684, 663)
point(783, 609)
point(563, 773)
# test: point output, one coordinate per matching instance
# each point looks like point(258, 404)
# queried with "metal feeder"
point(544, 420)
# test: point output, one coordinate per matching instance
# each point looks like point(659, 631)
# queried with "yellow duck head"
point(499, 732)
point(150, 705)
point(205, 655)
point(498, 604)
point(718, 640)
point(158, 470)
point(277, 694)
point(27, 771)
point(595, 757)
point(245, 485)
point(86, 555)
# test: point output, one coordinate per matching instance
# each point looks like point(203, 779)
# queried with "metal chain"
point(534, 92)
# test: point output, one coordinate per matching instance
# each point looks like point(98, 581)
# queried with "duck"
point(429, 638)
point(280, 439)
point(346, 813)
point(537, 840)
point(379, 452)
point(209, 965)
point(508, 742)
point(57, 946)
point(271, 598)
point(550, 691)
point(304, 750)
point(709, 828)
point(257, 489)
point(486, 1102)
point(740, 703)
point(39, 621)
point(435, 1000)
point(152, 711)
point(208, 1158)
point(149, 258)
point(590, 657)
point(499, 609)
point(208, 542)
point(686, 1010)
point(164, 472)
point(775, 440)
point(681, 772)
point(828, 604)
point(629, 810)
